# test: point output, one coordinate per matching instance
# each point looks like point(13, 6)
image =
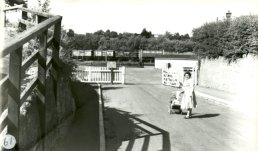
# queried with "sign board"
point(111, 64)
point(171, 77)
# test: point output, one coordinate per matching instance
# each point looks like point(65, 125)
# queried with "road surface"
point(136, 119)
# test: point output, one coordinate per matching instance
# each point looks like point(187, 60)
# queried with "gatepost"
point(111, 65)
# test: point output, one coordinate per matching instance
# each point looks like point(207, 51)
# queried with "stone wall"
point(239, 77)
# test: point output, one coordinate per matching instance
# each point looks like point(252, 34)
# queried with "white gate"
point(91, 74)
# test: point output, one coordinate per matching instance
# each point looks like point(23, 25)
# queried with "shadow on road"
point(205, 115)
point(130, 83)
point(111, 88)
point(84, 93)
point(122, 126)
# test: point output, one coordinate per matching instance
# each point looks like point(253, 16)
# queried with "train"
point(102, 55)
point(112, 55)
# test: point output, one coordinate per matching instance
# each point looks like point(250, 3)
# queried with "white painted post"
point(89, 77)
point(162, 76)
point(195, 75)
point(123, 75)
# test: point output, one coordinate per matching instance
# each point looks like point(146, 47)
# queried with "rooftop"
point(188, 56)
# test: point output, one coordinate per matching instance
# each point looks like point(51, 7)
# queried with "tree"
point(211, 37)
point(12, 2)
point(43, 5)
point(241, 36)
point(113, 34)
point(70, 33)
point(228, 39)
point(99, 33)
point(104, 43)
point(176, 36)
point(145, 33)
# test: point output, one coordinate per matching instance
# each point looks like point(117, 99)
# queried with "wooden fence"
point(10, 116)
point(91, 74)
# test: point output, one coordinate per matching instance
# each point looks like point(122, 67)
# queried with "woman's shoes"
point(187, 116)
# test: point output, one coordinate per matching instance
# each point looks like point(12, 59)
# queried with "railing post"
point(25, 17)
point(56, 42)
point(55, 54)
point(40, 19)
point(4, 13)
point(14, 90)
point(111, 75)
point(42, 80)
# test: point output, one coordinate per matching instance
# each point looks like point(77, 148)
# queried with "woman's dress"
point(188, 98)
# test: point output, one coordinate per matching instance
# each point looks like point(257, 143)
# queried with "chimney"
point(228, 15)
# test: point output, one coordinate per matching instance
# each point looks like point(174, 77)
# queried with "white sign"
point(111, 64)
point(8, 141)
point(171, 78)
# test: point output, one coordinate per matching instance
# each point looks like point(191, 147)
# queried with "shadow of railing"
point(122, 126)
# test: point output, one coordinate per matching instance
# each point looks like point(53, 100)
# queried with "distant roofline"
point(177, 57)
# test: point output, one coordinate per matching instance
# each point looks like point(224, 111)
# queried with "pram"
point(175, 103)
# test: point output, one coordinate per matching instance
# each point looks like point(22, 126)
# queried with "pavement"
point(84, 132)
point(243, 103)
point(216, 96)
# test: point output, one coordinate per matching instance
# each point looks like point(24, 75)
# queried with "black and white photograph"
point(129, 75)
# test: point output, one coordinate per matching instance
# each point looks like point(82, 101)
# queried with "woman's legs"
point(189, 113)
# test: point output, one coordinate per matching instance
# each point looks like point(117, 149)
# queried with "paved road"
point(136, 119)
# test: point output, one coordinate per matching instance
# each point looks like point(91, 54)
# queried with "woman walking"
point(188, 98)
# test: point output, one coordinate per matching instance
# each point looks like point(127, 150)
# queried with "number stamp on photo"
point(8, 141)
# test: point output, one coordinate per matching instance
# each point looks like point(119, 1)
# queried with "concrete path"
point(136, 119)
point(83, 133)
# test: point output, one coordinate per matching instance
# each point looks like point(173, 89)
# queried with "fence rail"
point(90, 74)
point(12, 82)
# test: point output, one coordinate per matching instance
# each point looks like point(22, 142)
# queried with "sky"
point(157, 16)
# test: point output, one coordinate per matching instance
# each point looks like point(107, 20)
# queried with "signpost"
point(111, 65)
